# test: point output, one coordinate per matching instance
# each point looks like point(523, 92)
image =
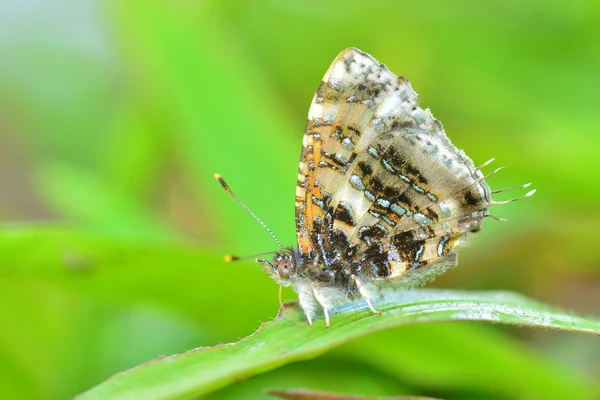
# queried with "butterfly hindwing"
point(382, 192)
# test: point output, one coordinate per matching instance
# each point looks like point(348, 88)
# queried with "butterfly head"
point(283, 268)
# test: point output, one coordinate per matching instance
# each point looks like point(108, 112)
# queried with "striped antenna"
point(230, 258)
point(228, 190)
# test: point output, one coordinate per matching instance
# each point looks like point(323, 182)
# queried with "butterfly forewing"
point(381, 189)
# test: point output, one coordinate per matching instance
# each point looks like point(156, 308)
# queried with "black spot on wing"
point(375, 185)
point(365, 168)
point(375, 261)
point(471, 199)
point(394, 158)
point(396, 124)
point(390, 192)
point(354, 130)
point(403, 199)
point(411, 170)
point(429, 213)
point(372, 233)
point(344, 213)
point(341, 242)
point(409, 248)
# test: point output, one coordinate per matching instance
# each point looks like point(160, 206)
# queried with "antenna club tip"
point(229, 258)
point(221, 181)
point(530, 193)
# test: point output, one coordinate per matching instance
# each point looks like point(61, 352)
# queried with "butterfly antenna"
point(230, 258)
point(228, 190)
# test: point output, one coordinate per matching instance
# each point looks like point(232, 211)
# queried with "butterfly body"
point(383, 197)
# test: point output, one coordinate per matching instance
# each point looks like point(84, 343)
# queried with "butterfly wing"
point(381, 189)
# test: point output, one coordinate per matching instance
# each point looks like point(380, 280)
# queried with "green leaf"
point(310, 395)
point(280, 341)
point(126, 270)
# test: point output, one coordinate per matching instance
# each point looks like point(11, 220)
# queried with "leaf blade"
point(279, 342)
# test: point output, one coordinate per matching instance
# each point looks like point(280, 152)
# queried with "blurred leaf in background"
point(114, 116)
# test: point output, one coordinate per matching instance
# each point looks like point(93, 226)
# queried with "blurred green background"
point(114, 116)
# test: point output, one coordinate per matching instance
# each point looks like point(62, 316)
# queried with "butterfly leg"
point(308, 318)
point(321, 301)
point(307, 300)
point(364, 293)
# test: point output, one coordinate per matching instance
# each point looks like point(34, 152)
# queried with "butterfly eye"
point(285, 267)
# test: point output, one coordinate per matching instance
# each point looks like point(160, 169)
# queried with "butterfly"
point(383, 197)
